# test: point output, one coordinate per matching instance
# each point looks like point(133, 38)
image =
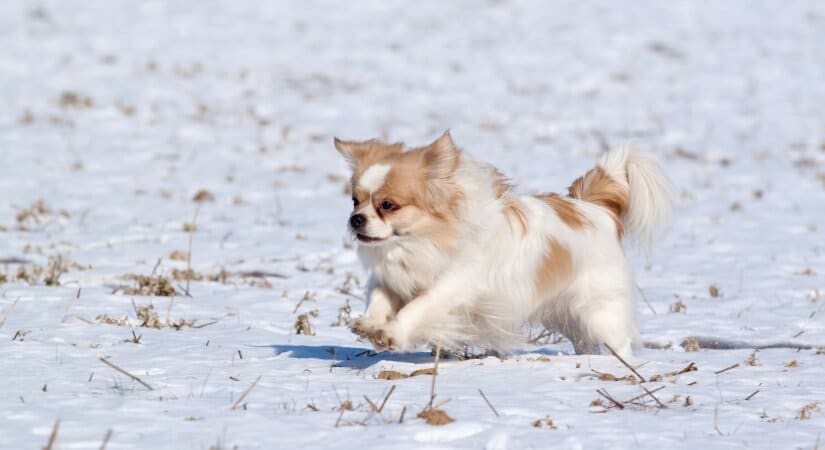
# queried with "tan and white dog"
point(456, 258)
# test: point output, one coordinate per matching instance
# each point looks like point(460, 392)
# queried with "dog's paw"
point(390, 337)
point(362, 327)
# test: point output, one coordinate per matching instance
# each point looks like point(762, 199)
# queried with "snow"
point(116, 114)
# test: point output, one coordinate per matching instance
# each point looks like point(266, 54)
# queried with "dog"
point(457, 258)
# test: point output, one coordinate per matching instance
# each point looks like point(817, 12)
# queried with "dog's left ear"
point(442, 157)
point(357, 152)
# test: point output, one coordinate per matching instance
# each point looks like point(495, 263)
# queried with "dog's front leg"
point(382, 307)
point(423, 314)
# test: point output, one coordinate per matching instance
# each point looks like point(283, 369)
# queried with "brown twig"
point(488, 402)
point(155, 269)
point(647, 302)
point(435, 374)
point(646, 393)
point(372, 405)
point(752, 394)
point(245, 393)
point(341, 414)
point(169, 309)
point(69, 305)
point(386, 397)
point(189, 250)
point(604, 394)
point(8, 312)
point(113, 366)
point(726, 369)
point(106, 439)
point(53, 436)
point(641, 378)
point(403, 410)
point(661, 405)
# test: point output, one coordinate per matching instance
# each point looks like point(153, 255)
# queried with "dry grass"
point(806, 411)
point(71, 99)
point(435, 416)
point(677, 307)
point(48, 275)
point(546, 422)
point(344, 315)
point(689, 368)
point(395, 375)
point(202, 196)
point(691, 345)
point(146, 317)
point(605, 376)
point(147, 285)
point(303, 325)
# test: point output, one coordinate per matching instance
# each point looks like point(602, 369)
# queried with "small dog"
point(456, 258)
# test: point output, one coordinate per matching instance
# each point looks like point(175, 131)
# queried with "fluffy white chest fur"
point(457, 259)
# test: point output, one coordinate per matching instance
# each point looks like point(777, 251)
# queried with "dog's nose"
point(357, 221)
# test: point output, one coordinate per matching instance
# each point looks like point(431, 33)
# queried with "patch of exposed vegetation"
point(394, 375)
point(303, 325)
point(691, 345)
point(151, 285)
point(35, 274)
point(71, 99)
point(344, 315)
point(435, 416)
point(546, 422)
point(146, 317)
point(203, 195)
point(806, 411)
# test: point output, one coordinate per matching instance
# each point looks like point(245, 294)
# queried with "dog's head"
point(400, 194)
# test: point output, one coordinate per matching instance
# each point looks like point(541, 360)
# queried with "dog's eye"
point(387, 205)
point(354, 202)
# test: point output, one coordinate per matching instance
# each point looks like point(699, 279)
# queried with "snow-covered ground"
point(115, 114)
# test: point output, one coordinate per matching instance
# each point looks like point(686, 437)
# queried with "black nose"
point(357, 221)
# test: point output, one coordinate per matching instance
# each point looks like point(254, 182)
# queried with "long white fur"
point(484, 292)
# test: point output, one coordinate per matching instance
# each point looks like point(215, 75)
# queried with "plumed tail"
point(631, 187)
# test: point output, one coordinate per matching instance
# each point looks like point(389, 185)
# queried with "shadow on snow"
point(363, 357)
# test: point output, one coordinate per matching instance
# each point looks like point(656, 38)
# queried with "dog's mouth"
point(369, 239)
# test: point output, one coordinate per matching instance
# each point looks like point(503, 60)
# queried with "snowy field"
point(141, 138)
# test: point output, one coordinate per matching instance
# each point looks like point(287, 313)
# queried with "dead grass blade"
point(488, 402)
point(726, 369)
point(604, 394)
point(52, 436)
point(245, 393)
point(8, 312)
point(113, 366)
point(641, 378)
point(106, 439)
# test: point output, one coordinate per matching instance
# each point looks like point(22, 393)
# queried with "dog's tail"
point(632, 188)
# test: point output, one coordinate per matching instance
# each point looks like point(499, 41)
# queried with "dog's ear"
point(357, 153)
point(442, 157)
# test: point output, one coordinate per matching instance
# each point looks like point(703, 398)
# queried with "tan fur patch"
point(516, 216)
point(565, 209)
point(556, 268)
point(597, 187)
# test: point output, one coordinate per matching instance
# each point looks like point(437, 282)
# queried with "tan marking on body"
point(565, 209)
point(556, 268)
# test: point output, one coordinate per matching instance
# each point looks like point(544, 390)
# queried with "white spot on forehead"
point(373, 178)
